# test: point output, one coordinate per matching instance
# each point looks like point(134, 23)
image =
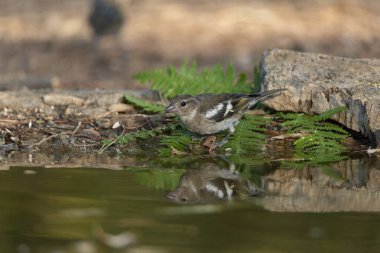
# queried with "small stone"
point(121, 108)
point(90, 133)
point(70, 111)
point(116, 125)
point(104, 123)
point(55, 99)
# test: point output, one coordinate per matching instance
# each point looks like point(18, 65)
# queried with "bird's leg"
point(229, 189)
point(198, 138)
point(225, 139)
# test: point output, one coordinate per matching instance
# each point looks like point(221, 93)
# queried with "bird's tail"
point(264, 95)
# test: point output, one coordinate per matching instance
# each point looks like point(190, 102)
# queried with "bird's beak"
point(170, 109)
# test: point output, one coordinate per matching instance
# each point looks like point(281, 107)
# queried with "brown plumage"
point(212, 113)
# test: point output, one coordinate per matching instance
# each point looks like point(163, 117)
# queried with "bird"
point(208, 114)
point(211, 183)
point(105, 17)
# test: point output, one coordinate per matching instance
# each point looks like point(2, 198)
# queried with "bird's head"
point(184, 195)
point(182, 105)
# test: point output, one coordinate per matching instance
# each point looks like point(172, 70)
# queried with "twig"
point(178, 152)
point(284, 136)
point(104, 147)
point(147, 121)
point(45, 139)
point(164, 101)
point(77, 128)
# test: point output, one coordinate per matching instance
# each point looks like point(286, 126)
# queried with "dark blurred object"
point(106, 17)
point(211, 183)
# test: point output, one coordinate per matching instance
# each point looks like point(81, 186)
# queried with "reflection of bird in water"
point(105, 17)
point(210, 183)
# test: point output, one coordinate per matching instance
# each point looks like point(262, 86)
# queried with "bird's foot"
point(223, 141)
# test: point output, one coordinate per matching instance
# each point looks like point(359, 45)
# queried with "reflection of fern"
point(145, 105)
point(332, 173)
point(189, 80)
point(322, 141)
point(158, 179)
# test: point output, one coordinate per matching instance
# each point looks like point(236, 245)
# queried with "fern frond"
point(141, 134)
point(189, 80)
point(143, 104)
point(178, 140)
point(249, 136)
point(330, 127)
point(144, 134)
point(329, 113)
point(322, 142)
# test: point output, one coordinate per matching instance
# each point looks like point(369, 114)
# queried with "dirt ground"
point(49, 42)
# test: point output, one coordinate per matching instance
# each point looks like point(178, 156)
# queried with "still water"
point(101, 210)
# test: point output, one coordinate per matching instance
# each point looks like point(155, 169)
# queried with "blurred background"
point(102, 43)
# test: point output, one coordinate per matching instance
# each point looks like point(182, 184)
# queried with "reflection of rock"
point(208, 184)
point(348, 186)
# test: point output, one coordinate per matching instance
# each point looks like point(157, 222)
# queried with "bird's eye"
point(183, 103)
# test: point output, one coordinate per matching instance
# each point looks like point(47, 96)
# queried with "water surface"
point(75, 209)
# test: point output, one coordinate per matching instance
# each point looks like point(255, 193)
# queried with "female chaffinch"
point(207, 114)
point(210, 183)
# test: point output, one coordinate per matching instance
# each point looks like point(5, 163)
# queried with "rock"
point(120, 107)
point(104, 123)
point(90, 112)
point(57, 99)
point(317, 83)
point(90, 133)
point(19, 100)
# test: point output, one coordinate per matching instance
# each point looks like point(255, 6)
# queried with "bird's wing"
point(216, 108)
point(220, 107)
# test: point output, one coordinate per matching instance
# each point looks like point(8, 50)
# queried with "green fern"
point(145, 105)
point(322, 141)
point(249, 136)
point(179, 140)
point(144, 134)
point(189, 80)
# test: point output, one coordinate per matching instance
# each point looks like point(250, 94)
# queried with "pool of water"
point(101, 210)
